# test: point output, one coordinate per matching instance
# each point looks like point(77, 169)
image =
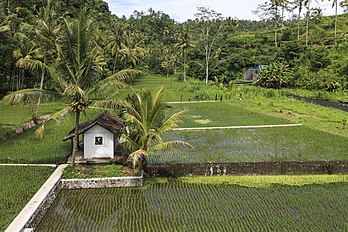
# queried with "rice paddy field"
point(248, 145)
point(182, 206)
point(18, 186)
point(188, 206)
point(217, 114)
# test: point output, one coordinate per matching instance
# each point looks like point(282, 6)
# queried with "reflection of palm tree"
point(76, 71)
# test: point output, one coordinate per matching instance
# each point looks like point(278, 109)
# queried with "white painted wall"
point(98, 151)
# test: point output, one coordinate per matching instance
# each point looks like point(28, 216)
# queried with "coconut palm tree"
point(76, 72)
point(335, 4)
point(116, 41)
point(145, 114)
point(299, 5)
point(184, 44)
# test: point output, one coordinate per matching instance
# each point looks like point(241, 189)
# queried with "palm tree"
point(116, 41)
point(335, 4)
point(145, 114)
point(184, 44)
point(76, 72)
point(299, 5)
point(308, 14)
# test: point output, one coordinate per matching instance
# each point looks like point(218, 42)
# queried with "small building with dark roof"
point(100, 136)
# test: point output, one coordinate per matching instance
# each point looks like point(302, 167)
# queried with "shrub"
point(275, 75)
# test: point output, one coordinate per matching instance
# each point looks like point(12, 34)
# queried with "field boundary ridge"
point(236, 127)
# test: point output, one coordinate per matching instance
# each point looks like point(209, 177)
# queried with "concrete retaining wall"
point(31, 215)
point(248, 168)
point(130, 181)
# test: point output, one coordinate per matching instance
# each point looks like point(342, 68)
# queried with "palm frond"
point(112, 104)
point(129, 143)
point(171, 144)
point(16, 54)
point(123, 75)
point(25, 95)
point(59, 117)
point(75, 92)
point(171, 123)
point(134, 120)
point(28, 63)
point(40, 132)
point(137, 158)
point(5, 28)
point(107, 87)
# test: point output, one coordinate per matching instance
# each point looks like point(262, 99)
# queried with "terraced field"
point(18, 186)
point(180, 206)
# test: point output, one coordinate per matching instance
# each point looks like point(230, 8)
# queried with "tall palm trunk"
point(298, 23)
point(115, 63)
point(207, 56)
point(336, 22)
point(184, 62)
point(76, 137)
point(41, 86)
point(307, 23)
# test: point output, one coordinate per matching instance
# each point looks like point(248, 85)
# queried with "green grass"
point(248, 145)
point(226, 113)
point(266, 181)
point(89, 171)
point(182, 206)
point(26, 148)
point(173, 88)
point(15, 115)
point(270, 101)
point(18, 186)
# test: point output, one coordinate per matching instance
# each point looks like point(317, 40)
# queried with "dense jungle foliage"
point(312, 48)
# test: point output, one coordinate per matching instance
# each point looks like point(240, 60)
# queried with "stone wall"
point(248, 168)
point(39, 214)
point(130, 181)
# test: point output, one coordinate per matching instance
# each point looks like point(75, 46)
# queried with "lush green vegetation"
point(314, 48)
point(181, 206)
point(312, 54)
point(93, 171)
point(26, 148)
point(18, 186)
